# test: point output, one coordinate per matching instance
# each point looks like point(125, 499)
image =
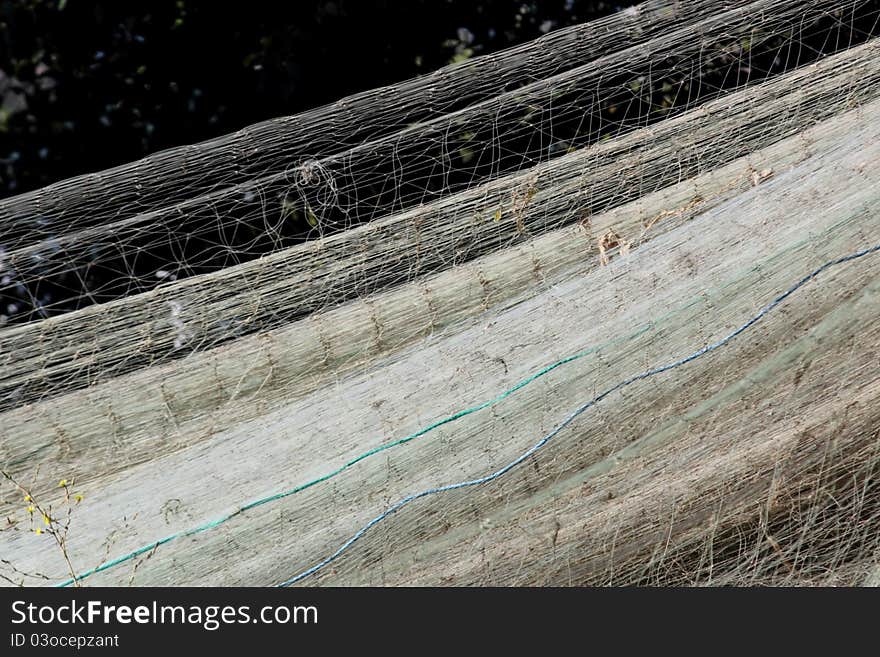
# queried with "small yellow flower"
point(38, 531)
point(46, 519)
point(31, 509)
point(78, 498)
point(62, 483)
point(28, 498)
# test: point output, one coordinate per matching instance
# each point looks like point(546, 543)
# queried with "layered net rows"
point(598, 309)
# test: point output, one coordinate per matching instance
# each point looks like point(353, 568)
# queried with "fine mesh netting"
point(63, 256)
point(309, 351)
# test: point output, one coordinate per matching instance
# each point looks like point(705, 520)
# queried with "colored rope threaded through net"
point(574, 414)
point(498, 473)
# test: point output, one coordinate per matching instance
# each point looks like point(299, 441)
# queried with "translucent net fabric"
point(247, 352)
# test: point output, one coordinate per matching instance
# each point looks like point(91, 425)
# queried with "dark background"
point(85, 85)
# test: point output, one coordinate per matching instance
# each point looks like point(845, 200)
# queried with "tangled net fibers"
point(599, 309)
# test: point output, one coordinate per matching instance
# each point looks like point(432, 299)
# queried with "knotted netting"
point(598, 309)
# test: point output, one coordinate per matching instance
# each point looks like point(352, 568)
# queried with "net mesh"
point(263, 343)
point(126, 232)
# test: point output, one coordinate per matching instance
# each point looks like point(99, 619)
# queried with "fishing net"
point(597, 309)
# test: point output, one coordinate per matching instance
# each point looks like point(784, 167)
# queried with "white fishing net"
point(246, 353)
